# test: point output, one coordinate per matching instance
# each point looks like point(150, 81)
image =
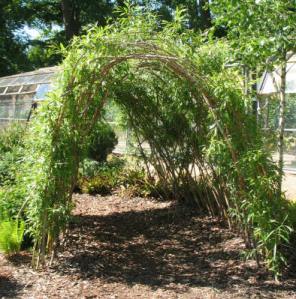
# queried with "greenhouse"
point(19, 92)
point(268, 108)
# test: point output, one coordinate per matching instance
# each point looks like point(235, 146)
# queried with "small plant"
point(11, 235)
point(11, 137)
point(97, 185)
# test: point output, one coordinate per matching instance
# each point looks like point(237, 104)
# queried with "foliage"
point(12, 49)
point(11, 137)
point(11, 198)
point(258, 30)
point(134, 182)
point(57, 21)
point(102, 142)
point(43, 50)
point(11, 235)
point(74, 15)
point(100, 178)
point(262, 34)
point(11, 151)
point(292, 212)
point(115, 174)
point(180, 98)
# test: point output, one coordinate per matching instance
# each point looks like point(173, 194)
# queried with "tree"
point(71, 15)
point(262, 32)
point(13, 58)
point(198, 11)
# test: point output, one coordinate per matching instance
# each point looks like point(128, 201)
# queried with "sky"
point(31, 32)
point(34, 33)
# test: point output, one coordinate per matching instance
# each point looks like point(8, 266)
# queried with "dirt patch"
point(142, 248)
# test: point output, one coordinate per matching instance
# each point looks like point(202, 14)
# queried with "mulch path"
point(142, 248)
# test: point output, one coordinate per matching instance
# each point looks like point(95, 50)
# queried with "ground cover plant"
point(180, 98)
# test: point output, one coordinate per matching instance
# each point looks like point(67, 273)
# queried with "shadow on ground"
point(159, 248)
point(9, 288)
point(20, 259)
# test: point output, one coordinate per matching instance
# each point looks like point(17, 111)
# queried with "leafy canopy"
point(258, 29)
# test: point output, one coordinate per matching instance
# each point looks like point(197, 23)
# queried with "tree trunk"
point(282, 96)
point(199, 14)
point(204, 14)
point(70, 18)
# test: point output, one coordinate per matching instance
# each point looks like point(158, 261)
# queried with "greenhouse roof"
point(40, 76)
point(270, 81)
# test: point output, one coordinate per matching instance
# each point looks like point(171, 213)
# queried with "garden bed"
point(142, 248)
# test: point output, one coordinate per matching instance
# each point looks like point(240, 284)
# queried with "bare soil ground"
point(142, 248)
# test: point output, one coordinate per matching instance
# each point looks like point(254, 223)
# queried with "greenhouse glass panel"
point(41, 91)
point(7, 103)
point(13, 89)
point(28, 88)
point(270, 81)
point(4, 110)
point(22, 107)
point(291, 79)
point(268, 111)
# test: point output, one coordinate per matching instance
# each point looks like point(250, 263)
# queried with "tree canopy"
point(12, 47)
point(258, 30)
point(21, 53)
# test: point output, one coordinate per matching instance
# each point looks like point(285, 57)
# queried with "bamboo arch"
point(94, 67)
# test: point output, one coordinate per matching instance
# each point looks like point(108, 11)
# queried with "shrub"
point(89, 168)
point(11, 154)
point(11, 150)
point(134, 182)
point(11, 235)
point(12, 137)
point(100, 177)
point(99, 184)
point(102, 142)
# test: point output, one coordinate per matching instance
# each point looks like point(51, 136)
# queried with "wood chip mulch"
point(142, 248)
